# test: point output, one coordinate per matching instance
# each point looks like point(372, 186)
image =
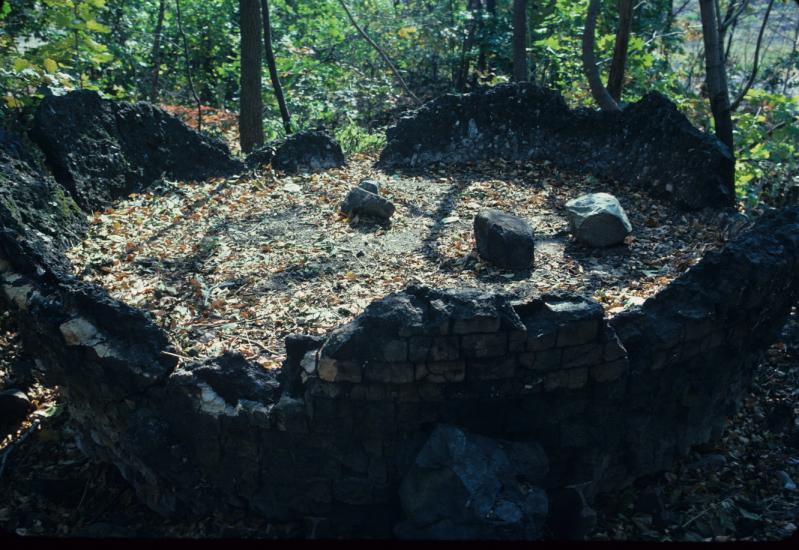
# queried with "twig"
point(253, 343)
point(178, 356)
point(696, 517)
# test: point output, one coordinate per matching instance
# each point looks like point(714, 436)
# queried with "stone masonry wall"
point(649, 143)
point(326, 442)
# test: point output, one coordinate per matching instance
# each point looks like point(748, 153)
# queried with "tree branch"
point(380, 51)
point(756, 62)
point(598, 90)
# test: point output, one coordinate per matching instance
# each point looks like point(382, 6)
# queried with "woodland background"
point(181, 53)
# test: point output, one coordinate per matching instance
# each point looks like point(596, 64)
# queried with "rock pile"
point(308, 151)
point(100, 150)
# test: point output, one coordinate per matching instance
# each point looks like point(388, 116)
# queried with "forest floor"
point(240, 263)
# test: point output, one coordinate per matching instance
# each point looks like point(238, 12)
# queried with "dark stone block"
point(491, 369)
point(484, 345)
point(503, 239)
point(389, 373)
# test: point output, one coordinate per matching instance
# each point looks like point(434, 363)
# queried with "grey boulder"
point(598, 220)
point(370, 185)
point(360, 202)
point(503, 239)
point(467, 486)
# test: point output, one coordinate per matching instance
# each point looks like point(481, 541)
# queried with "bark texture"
point(270, 61)
point(598, 90)
point(519, 40)
point(716, 74)
point(251, 130)
point(619, 63)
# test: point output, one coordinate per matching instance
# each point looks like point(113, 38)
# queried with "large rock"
point(650, 143)
point(466, 486)
point(100, 150)
point(360, 202)
point(597, 219)
point(14, 406)
point(503, 239)
point(32, 204)
point(309, 151)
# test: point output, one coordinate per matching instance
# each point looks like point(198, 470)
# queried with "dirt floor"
point(241, 263)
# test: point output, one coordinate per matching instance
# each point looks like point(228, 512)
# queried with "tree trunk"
point(617, 66)
point(270, 61)
point(482, 59)
point(251, 107)
point(520, 73)
point(716, 74)
point(188, 67)
point(463, 73)
point(598, 90)
point(156, 56)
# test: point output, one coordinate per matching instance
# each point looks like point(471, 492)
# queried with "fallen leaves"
point(271, 255)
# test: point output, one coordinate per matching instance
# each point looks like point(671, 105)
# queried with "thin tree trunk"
point(756, 61)
point(270, 61)
point(716, 75)
point(520, 73)
point(729, 41)
point(251, 106)
point(619, 63)
point(188, 67)
point(463, 73)
point(482, 60)
point(598, 90)
point(380, 51)
point(790, 57)
point(156, 56)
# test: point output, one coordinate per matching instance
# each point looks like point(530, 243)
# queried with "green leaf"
point(50, 65)
point(21, 64)
point(93, 25)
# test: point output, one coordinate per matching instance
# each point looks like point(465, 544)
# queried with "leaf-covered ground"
point(240, 263)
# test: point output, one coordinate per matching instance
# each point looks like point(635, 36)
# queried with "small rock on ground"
point(598, 220)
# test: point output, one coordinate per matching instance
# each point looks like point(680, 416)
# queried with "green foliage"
point(767, 134)
point(334, 78)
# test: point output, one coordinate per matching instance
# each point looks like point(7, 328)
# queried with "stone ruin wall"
point(331, 435)
point(650, 143)
point(328, 439)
